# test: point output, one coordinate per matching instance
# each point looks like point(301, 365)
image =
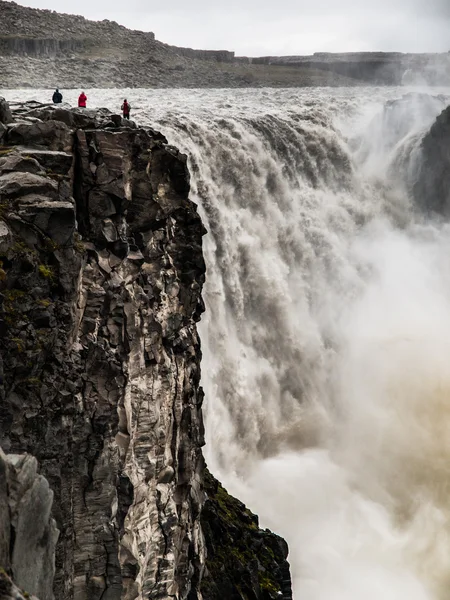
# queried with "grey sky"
point(260, 27)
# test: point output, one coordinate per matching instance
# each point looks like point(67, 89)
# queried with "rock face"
point(10, 591)
point(242, 560)
point(432, 186)
point(101, 272)
point(28, 533)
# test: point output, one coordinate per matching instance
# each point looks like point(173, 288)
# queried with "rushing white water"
point(327, 332)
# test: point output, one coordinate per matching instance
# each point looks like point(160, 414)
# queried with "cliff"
point(101, 273)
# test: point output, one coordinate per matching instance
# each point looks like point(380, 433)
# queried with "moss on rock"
point(243, 562)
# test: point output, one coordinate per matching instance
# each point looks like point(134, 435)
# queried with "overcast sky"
point(262, 27)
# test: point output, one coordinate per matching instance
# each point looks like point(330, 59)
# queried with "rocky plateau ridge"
point(44, 49)
point(104, 492)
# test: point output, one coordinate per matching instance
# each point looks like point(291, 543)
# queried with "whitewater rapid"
point(327, 331)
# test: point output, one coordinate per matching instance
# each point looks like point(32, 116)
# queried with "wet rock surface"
point(243, 561)
point(432, 186)
point(101, 272)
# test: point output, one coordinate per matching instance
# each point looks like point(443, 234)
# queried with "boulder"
point(55, 218)
point(17, 183)
point(5, 238)
point(53, 161)
point(5, 112)
point(54, 135)
point(14, 161)
point(28, 533)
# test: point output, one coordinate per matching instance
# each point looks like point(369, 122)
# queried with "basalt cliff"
point(104, 492)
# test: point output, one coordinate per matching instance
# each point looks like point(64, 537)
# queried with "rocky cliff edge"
point(101, 272)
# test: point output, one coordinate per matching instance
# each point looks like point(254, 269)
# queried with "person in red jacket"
point(82, 100)
point(126, 109)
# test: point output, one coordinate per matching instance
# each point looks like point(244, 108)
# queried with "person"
point(57, 97)
point(82, 100)
point(126, 109)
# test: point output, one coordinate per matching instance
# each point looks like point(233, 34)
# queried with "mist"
point(327, 334)
point(329, 386)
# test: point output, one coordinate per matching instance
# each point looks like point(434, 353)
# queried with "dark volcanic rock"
point(28, 533)
point(17, 162)
point(14, 184)
point(101, 272)
point(78, 118)
point(99, 349)
point(5, 112)
point(243, 561)
point(54, 135)
point(432, 186)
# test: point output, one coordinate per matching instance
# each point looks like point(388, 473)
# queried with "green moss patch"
point(243, 561)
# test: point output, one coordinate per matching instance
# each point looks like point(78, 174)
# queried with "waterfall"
point(326, 335)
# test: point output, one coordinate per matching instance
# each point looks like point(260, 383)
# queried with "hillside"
point(41, 48)
point(380, 68)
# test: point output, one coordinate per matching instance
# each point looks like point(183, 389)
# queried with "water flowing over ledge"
point(327, 326)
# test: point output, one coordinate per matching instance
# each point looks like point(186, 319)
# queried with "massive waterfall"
point(327, 331)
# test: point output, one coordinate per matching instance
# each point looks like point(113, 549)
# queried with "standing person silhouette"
point(82, 100)
point(57, 97)
point(126, 109)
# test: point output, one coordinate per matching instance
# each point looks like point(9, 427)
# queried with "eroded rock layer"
point(28, 533)
point(101, 272)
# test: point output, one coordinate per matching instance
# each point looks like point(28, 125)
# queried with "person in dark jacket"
point(82, 100)
point(126, 109)
point(57, 97)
